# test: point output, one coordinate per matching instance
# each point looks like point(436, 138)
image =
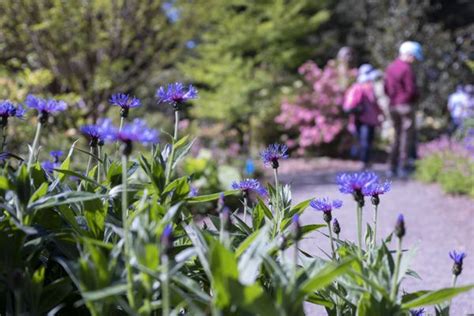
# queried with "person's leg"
point(364, 143)
point(370, 141)
point(406, 138)
point(395, 152)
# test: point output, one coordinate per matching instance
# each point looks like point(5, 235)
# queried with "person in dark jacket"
point(400, 87)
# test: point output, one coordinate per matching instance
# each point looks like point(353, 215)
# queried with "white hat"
point(411, 48)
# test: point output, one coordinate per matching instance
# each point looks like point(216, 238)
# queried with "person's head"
point(411, 51)
point(367, 73)
point(346, 54)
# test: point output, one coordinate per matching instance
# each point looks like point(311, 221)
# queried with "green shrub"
point(429, 168)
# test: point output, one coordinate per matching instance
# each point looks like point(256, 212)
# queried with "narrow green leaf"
point(211, 197)
point(436, 297)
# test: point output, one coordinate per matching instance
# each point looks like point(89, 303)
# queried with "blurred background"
point(266, 71)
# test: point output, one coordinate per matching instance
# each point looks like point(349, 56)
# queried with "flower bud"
point(296, 227)
point(167, 239)
point(336, 228)
point(400, 226)
point(458, 259)
point(327, 217)
point(127, 148)
point(124, 112)
point(43, 117)
point(225, 218)
point(375, 200)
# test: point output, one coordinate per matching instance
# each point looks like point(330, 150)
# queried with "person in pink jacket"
point(400, 87)
point(360, 101)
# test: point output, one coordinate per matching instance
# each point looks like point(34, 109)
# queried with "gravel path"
point(436, 223)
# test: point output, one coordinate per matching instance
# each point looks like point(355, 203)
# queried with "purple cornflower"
point(136, 131)
point(248, 185)
point(193, 191)
point(56, 154)
point(326, 206)
point(417, 312)
point(8, 109)
point(273, 153)
point(97, 133)
point(49, 166)
point(400, 226)
point(45, 107)
point(125, 101)
point(176, 94)
point(353, 183)
point(167, 238)
point(458, 261)
point(374, 189)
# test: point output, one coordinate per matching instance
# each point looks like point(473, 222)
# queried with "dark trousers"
point(365, 138)
point(403, 118)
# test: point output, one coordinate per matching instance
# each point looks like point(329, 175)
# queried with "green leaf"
point(299, 208)
point(436, 297)
point(261, 205)
point(67, 162)
point(101, 294)
point(224, 269)
point(78, 175)
point(64, 198)
point(42, 190)
point(325, 276)
point(211, 197)
point(4, 183)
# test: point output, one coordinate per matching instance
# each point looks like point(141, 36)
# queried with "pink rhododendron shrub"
point(314, 115)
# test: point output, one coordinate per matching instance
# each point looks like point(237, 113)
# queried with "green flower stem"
point(333, 249)
point(98, 163)
point(122, 120)
point(455, 279)
point(393, 293)
point(295, 264)
point(376, 208)
point(35, 145)
point(4, 137)
point(277, 207)
point(165, 286)
point(89, 161)
point(359, 227)
point(169, 165)
point(131, 298)
point(245, 207)
point(176, 122)
point(18, 303)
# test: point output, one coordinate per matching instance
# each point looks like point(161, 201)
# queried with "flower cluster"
point(45, 107)
point(273, 153)
point(315, 115)
point(176, 94)
point(250, 185)
point(353, 183)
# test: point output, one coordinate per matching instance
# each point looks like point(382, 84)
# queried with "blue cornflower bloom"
point(136, 131)
point(125, 101)
point(458, 261)
point(351, 183)
point(374, 189)
point(248, 185)
point(417, 312)
point(56, 154)
point(45, 107)
point(273, 153)
point(8, 109)
point(176, 94)
point(193, 191)
point(49, 166)
point(326, 206)
point(97, 133)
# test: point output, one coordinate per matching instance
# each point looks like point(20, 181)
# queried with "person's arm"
point(409, 84)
